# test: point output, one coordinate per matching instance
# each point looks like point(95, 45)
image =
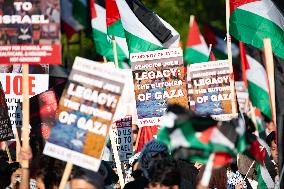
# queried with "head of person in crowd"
point(46, 171)
point(153, 150)
point(85, 179)
point(108, 174)
point(272, 143)
point(163, 174)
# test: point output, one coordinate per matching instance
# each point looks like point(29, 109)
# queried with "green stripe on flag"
point(252, 29)
point(116, 29)
point(192, 56)
point(259, 98)
point(104, 47)
point(136, 44)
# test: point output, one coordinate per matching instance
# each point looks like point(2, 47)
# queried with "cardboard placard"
point(6, 132)
point(11, 79)
point(210, 89)
point(30, 32)
point(85, 114)
point(122, 135)
point(159, 80)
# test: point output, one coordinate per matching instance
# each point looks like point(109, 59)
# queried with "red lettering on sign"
point(16, 85)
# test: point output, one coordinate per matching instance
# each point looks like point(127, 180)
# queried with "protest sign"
point(159, 80)
point(210, 89)
point(6, 132)
point(85, 114)
point(242, 96)
point(11, 79)
point(127, 103)
point(121, 133)
point(30, 32)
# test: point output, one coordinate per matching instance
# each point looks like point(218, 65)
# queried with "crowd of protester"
point(152, 168)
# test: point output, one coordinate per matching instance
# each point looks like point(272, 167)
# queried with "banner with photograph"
point(85, 114)
point(6, 132)
point(121, 133)
point(30, 32)
point(211, 89)
point(159, 80)
point(11, 79)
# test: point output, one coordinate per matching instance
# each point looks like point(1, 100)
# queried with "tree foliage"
point(177, 13)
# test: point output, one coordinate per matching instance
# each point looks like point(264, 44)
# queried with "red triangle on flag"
point(112, 13)
point(93, 9)
point(245, 64)
point(221, 159)
point(206, 135)
point(193, 37)
point(237, 3)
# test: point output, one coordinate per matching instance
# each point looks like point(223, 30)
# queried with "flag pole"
point(105, 60)
point(66, 173)
point(26, 112)
point(191, 20)
point(207, 171)
point(25, 127)
point(114, 51)
point(270, 75)
point(230, 58)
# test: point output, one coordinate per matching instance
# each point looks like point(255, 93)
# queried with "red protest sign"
point(30, 32)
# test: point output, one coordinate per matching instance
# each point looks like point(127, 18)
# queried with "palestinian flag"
point(69, 23)
point(113, 20)
point(192, 137)
point(253, 20)
point(266, 171)
point(144, 30)
point(115, 28)
point(263, 177)
point(196, 48)
point(219, 45)
point(257, 81)
point(81, 12)
point(102, 40)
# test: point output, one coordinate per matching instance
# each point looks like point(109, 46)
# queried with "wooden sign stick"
point(8, 152)
point(270, 76)
point(18, 146)
point(26, 113)
point(114, 51)
point(230, 57)
point(66, 174)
